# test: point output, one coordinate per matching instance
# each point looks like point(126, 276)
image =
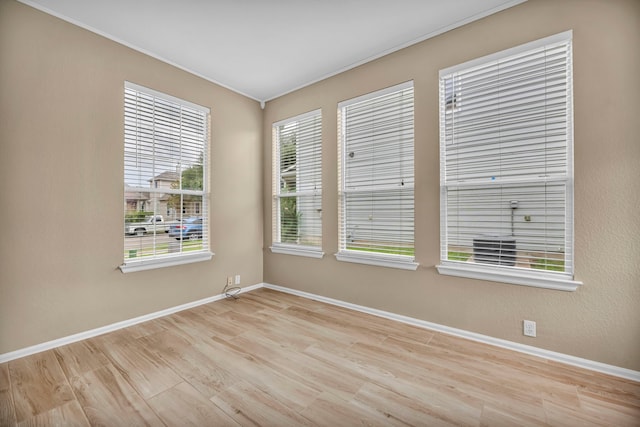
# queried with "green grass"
point(548, 264)
point(163, 248)
point(391, 250)
point(458, 256)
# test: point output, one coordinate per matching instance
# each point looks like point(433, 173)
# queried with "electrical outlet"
point(529, 328)
point(229, 281)
point(237, 279)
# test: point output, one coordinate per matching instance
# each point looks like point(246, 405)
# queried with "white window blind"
point(166, 144)
point(297, 185)
point(376, 178)
point(506, 141)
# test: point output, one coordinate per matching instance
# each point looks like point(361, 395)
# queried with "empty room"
point(303, 212)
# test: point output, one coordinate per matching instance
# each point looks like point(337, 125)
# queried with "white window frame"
point(313, 150)
point(501, 273)
point(406, 262)
point(171, 259)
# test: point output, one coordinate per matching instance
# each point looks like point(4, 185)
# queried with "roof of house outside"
point(169, 176)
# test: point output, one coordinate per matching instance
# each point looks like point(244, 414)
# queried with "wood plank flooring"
point(273, 359)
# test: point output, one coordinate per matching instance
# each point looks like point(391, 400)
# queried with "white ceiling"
point(266, 48)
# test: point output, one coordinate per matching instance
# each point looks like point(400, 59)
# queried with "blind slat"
point(377, 173)
point(165, 163)
point(297, 181)
point(505, 150)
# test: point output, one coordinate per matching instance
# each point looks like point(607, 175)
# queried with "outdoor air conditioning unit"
point(500, 250)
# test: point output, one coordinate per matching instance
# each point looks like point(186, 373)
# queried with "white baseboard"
point(521, 348)
point(28, 351)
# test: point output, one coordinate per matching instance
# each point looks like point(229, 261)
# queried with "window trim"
point(168, 261)
point(141, 264)
point(405, 262)
point(495, 274)
point(299, 250)
point(536, 278)
point(276, 246)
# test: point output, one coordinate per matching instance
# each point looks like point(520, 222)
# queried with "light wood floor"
point(274, 359)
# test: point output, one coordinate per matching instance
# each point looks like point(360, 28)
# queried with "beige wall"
point(61, 168)
point(601, 321)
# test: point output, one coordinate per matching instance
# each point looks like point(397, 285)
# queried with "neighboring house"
point(161, 203)
point(135, 201)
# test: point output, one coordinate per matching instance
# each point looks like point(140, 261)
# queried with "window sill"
point(514, 277)
point(142, 264)
point(308, 251)
point(380, 260)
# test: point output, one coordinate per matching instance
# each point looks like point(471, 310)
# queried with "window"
point(376, 178)
point(297, 185)
point(166, 142)
point(506, 166)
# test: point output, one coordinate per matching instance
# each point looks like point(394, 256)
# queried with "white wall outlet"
point(237, 279)
point(229, 281)
point(529, 328)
